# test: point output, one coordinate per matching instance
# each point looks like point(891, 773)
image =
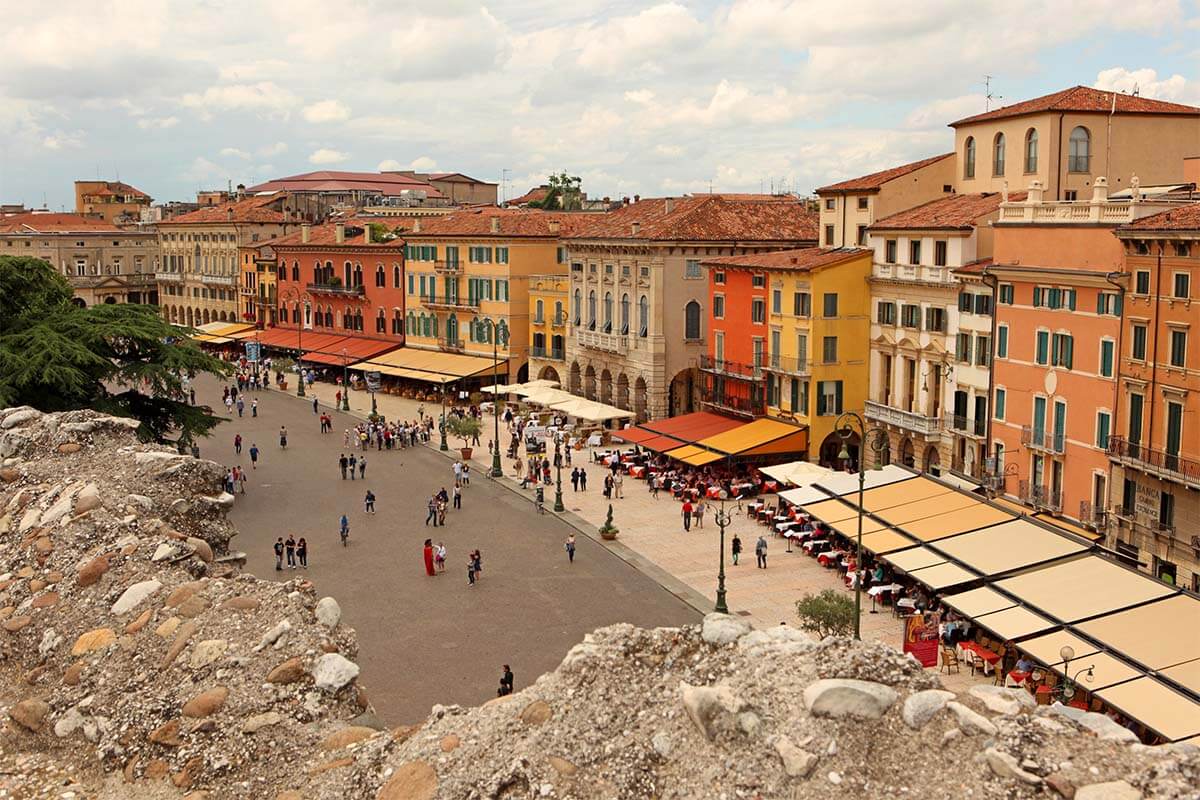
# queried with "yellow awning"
point(849, 527)
point(940, 526)
point(1084, 588)
point(208, 338)
point(1057, 522)
point(430, 365)
point(1008, 546)
point(900, 493)
point(1015, 622)
point(1106, 671)
point(978, 602)
point(224, 328)
point(914, 559)
point(886, 542)
point(681, 453)
point(1047, 649)
point(1159, 635)
point(942, 576)
point(760, 437)
point(1157, 706)
point(1186, 675)
point(919, 509)
point(830, 511)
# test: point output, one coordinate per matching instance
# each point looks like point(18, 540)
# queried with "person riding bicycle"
point(345, 528)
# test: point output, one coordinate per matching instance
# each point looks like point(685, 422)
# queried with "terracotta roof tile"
point(973, 267)
point(31, 222)
point(955, 211)
point(877, 179)
point(513, 222)
point(388, 183)
point(117, 188)
point(1085, 99)
point(801, 260)
point(534, 195)
point(709, 217)
point(325, 235)
point(1184, 218)
point(251, 209)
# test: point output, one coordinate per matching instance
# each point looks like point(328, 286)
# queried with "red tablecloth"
point(713, 491)
point(770, 486)
point(981, 651)
point(637, 472)
point(1018, 676)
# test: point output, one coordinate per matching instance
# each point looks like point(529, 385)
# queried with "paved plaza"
point(425, 640)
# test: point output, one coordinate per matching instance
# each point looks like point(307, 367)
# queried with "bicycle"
point(539, 501)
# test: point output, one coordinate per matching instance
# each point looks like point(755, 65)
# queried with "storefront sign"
point(921, 638)
point(372, 381)
point(253, 351)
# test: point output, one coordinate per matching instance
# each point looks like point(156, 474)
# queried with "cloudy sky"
point(646, 97)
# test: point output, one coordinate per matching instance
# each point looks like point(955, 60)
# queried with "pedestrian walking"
point(428, 556)
point(619, 485)
point(353, 464)
point(290, 547)
point(315, 410)
point(283, 437)
point(279, 554)
point(362, 468)
point(654, 482)
point(369, 502)
point(735, 547)
point(477, 560)
point(342, 462)
point(302, 552)
point(253, 456)
point(346, 438)
point(687, 515)
point(432, 515)
point(470, 571)
point(439, 557)
point(582, 479)
point(237, 444)
point(254, 407)
point(457, 497)
point(698, 513)
point(241, 479)
point(466, 475)
point(570, 545)
point(241, 406)
point(760, 552)
point(575, 480)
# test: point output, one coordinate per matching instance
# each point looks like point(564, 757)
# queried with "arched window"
point(969, 158)
point(380, 322)
point(358, 319)
point(283, 315)
point(578, 306)
point(296, 270)
point(412, 324)
point(328, 316)
point(452, 327)
point(318, 275)
point(539, 311)
point(643, 316)
point(433, 326)
point(998, 154)
point(307, 315)
point(283, 272)
point(347, 274)
point(358, 274)
point(558, 315)
point(397, 324)
point(1080, 154)
point(502, 334)
point(396, 281)
point(592, 310)
point(625, 313)
point(380, 275)
point(424, 325)
point(691, 321)
point(1031, 142)
point(608, 311)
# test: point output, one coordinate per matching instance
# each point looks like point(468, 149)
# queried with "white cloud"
point(157, 123)
point(1146, 83)
point(669, 150)
point(275, 149)
point(265, 99)
point(327, 156)
point(422, 164)
point(640, 96)
point(264, 69)
point(940, 113)
point(389, 165)
point(326, 111)
point(648, 36)
point(233, 152)
point(63, 139)
point(448, 46)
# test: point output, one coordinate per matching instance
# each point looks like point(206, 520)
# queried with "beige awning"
point(896, 494)
point(943, 576)
point(830, 511)
point(797, 473)
point(919, 509)
point(886, 542)
point(1106, 671)
point(1013, 623)
point(978, 602)
point(1157, 706)
point(1048, 649)
point(940, 526)
point(1084, 588)
point(1011, 545)
point(849, 527)
point(1159, 635)
point(914, 559)
point(1186, 675)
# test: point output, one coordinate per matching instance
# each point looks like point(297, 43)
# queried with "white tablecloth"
point(875, 591)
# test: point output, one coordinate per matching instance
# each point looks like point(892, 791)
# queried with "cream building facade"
point(548, 305)
point(199, 271)
point(639, 295)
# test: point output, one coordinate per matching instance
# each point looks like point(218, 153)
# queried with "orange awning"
point(348, 350)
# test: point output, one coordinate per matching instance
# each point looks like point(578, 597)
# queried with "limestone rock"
point(68, 723)
point(414, 780)
point(797, 763)
point(1006, 766)
point(92, 571)
point(257, 722)
point(289, 671)
point(88, 498)
point(1111, 790)
point(207, 652)
point(240, 603)
point(132, 597)
point(139, 623)
point(202, 549)
point(167, 734)
point(1002, 700)
point(711, 708)
point(562, 766)
point(536, 713)
point(206, 703)
point(328, 612)
point(1098, 724)
point(93, 640)
point(921, 707)
point(449, 743)
point(186, 631)
point(346, 737)
point(30, 714)
point(723, 628)
point(840, 697)
point(971, 722)
point(333, 671)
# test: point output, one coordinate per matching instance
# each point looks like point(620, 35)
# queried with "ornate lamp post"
point(1067, 690)
point(494, 333)
point(302, 299)
point(443, 446)
point(558, 501)
point(722, 519)
point(878, 440)
point(346, 381)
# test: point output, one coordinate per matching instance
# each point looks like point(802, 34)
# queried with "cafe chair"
point(949, 660)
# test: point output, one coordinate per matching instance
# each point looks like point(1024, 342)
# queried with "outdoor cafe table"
point(830, 557)
point(973, 651)
point(812, 544)
point(875, 592)
point(637, 471)
point(770, 486)
point(713, 491)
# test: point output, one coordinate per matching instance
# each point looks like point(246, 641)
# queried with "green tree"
point(123, 359)
point(381, 232)
point(565, 193)
point(828, 613)
point(465, 427)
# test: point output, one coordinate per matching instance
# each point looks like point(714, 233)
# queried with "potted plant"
point(466, 428)
point(608, 531)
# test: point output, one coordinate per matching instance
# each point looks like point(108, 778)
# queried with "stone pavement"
point(652, 537)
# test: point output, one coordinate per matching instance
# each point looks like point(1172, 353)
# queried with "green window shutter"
point(837, 397)
point(1106, 359)
point(1068, 352)
point(1071, 299)
point(1100, 302)
point(1037, 297)
point(1119, 304)
point(1103, 422)
point(1043, 347)
point(1001, 397)
point(1002, 342)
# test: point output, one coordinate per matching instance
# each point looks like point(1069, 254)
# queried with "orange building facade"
point(731, 377)
point(1155, 447)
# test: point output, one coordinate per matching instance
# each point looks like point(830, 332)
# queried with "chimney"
point(635, 228)
point(339, 233)
point(637, 198)
point(1100, 190)
point(669, 204)
point(495, 224)
point(305, 232)
point(555, 226)
point(1035, 193)
point(417, 225)
point(229, 213)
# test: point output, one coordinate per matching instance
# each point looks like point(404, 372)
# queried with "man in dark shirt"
point(342, 464)
point(506, 680)
point(279, 553)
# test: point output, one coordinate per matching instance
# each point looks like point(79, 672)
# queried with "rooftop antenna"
point(504, 185)
point(987, 91)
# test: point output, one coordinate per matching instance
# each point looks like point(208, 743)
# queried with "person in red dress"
point(429, 557)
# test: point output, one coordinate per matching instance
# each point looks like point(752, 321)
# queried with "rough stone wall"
point(135, 661)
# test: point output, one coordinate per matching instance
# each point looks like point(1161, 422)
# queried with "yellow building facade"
point(547, 326)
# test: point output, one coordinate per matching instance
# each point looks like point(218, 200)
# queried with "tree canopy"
point(565, 193)
point(120, 359)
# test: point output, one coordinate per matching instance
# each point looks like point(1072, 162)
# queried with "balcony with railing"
point(1092, 516)
point(1040, 496)
point(338, 289)
point(1041, 439)
point(973, 471)
point(788, 365)
point(218, 280)
point(450, 302)
point(452, 345)
point(598, 340)
point(1170, 466)
point(448, 267)
point(168, 277)
point(558, 321)
point(550, 353)
point(930, 427)
point(965, 425)
point(731, 369)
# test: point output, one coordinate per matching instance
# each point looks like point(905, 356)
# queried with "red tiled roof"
point(117, 188)
point(802, 260)
point(534, 195)
point(1083, 99)
point(709, 217)
point(326, 235)
point(877, 179)
point(974, 267)
point(250, 209)
point(513, 222)
point(388, 183)
point(1184, 218)
point(955, 211)
point(30, 222)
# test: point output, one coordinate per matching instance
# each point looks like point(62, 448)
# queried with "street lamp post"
point(878, 441)
point(345, 380)
point(723, 518)
point(497, 470)
point(558, 501)
point(443, 446)
point(299, 297)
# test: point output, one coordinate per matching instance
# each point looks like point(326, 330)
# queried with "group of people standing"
point(296, 551)
point(435, 561)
